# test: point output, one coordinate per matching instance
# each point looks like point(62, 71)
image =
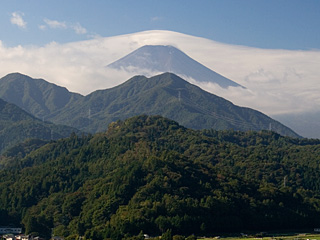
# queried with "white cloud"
point(79, 29)
point(277, 81)
point(16, 19)
point(55, 24)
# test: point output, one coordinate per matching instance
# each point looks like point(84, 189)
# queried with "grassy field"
point(275, 237)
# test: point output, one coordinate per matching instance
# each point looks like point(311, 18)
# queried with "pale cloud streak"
point(79, 29)
point(54, 24)
point(17, 19)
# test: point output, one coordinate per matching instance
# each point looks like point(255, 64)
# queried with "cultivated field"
point(275, 237)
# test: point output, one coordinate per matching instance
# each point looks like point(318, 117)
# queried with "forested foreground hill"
point(150, 174)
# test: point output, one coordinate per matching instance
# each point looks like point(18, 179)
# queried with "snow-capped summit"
point(152, 59)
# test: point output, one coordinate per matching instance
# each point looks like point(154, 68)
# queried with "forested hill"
point(36, 96)
point(150, 174)
point(16, 126)
point(166, 94)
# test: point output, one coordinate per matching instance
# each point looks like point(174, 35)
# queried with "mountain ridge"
point(172, 97)
point(36, 96)
point(165, 94)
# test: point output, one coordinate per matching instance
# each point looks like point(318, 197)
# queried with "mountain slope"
point(151, 174)
point(36, 96)
point(16, 126)
point(167, 95)
point(160, 59)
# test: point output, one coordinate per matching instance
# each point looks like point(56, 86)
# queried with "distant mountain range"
point(160, 59)
point(16, 126)
point(307, 123)
point(166, 94)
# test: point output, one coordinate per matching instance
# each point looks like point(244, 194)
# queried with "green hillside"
point(167, 95)
point(17, 126)
point(150, 174)
point(36, 96)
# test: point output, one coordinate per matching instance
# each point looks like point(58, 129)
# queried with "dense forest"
point(150, 175)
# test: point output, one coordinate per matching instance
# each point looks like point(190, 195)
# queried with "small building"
point(146, 236)
point(24, 237)
point(10, 230)
point(9, 237)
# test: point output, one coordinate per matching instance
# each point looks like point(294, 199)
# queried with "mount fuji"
point(150, 60)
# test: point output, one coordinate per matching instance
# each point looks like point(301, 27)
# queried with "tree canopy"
point(148, 174)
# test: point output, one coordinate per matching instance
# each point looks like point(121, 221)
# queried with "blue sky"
point(279, 24)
